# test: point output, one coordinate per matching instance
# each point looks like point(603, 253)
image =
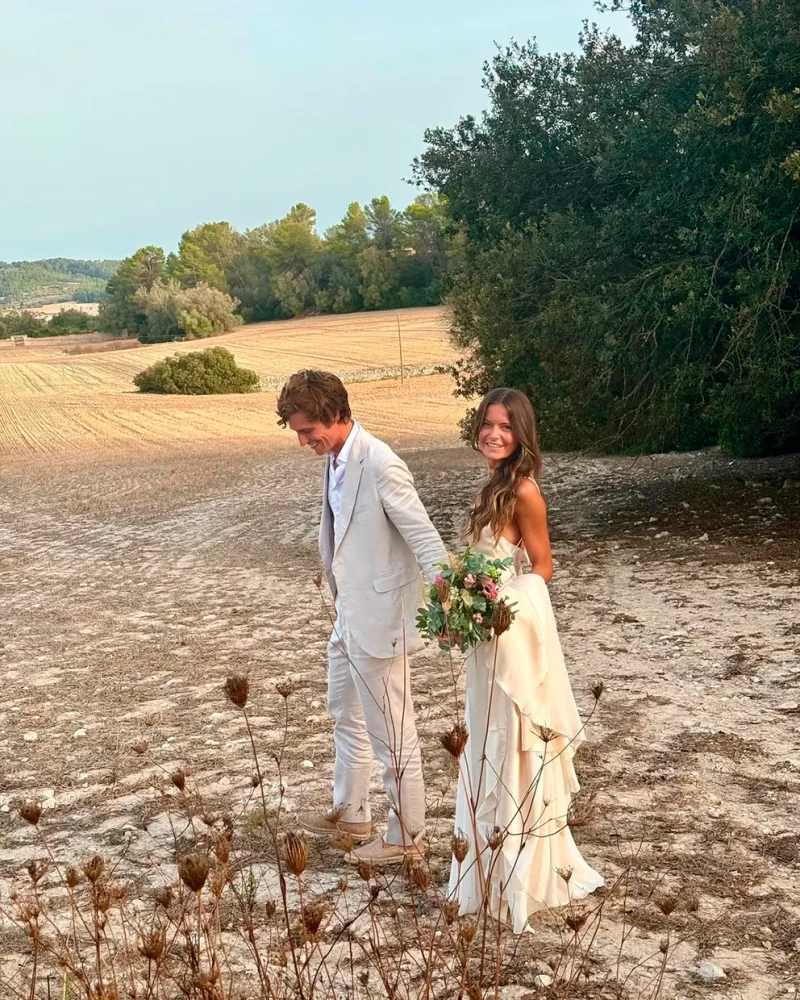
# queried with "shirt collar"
point(344, 454)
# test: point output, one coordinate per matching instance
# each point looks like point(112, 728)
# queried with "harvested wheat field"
point(54, 402)
point(134, 580)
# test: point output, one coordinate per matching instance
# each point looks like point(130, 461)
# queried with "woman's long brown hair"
point(494, 505)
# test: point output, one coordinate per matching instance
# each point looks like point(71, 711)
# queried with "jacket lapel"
point(326, 524)
point(352, 477)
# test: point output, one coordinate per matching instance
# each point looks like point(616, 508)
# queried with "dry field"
point(132, 581)
point(51, 402)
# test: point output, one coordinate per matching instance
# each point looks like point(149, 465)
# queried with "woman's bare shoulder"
point(529, 496)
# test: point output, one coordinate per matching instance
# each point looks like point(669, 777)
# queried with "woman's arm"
point(530, 514)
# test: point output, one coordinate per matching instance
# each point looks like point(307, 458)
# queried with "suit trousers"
point(370, 701)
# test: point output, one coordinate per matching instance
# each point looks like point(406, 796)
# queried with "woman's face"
point(496, 440)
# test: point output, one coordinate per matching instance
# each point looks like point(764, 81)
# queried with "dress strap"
point(534, 483)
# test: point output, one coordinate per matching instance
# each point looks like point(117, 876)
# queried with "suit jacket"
point(383, 536)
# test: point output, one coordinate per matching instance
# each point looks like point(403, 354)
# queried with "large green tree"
point(121, 311)
point(632, 216)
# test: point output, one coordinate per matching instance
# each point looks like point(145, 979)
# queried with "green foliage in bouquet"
point(464, 604)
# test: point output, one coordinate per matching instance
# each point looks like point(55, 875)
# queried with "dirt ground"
point(131, 583)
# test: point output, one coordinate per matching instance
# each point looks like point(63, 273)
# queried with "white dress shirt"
point(336, 472)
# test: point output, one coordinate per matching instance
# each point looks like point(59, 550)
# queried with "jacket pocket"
point(393, 581)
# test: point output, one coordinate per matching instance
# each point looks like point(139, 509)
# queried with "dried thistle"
point(374, 892)
point(420, 877)
point(460, 845)
point(237, 689)
point(565, 873)
point(285, 688)
point(269, 909)
point(193, 870)
point(575, 920)
point(455, 740)
point(295, 853)
point(318, 581)
point(663, 946)
point(37, 870)
point(222, 848)
point(467, 929)
point(450, 911)
point(496, 838)
point(342, 841)
point(217, 884)
point(312, 916)
point(164, 897)
point(502, 617)
point(255, 779)
point(152, 945)
point(93, 868)
point(364, 870)
point(178, 779)
point(31, 812)
point(597, 689)
point(691, 900)
point(72, 877)
point(667, 904)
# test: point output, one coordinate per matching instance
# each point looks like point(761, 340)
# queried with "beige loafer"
point(378, 852)
point(324, 825)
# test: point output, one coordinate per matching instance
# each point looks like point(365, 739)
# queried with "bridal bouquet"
point(464, 606)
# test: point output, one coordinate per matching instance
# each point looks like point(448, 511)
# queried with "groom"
point(373, 537)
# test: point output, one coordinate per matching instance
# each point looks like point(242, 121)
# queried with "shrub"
point(198, 373)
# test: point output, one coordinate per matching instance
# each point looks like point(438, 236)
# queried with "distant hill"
point(28, 283)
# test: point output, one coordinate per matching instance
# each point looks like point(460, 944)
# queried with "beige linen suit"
point(372, 553)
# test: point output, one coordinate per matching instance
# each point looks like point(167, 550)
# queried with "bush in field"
point(174, 313)
point(198, 373)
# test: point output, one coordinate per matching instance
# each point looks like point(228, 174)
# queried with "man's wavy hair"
point(320, 396)
point(494, 505)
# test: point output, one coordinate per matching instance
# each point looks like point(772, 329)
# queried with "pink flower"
point(470, 581)
point(438, 579)
point(490, 590)
point(478, 618)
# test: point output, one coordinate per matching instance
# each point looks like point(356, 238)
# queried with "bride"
point(516, 773)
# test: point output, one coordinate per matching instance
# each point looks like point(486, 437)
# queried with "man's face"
point(313, 434)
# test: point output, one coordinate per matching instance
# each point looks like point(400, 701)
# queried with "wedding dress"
point(515, 786)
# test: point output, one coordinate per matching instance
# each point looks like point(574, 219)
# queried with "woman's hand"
point(448, 641)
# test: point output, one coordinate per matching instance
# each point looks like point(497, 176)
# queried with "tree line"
point(632, 221)
point(36, 282)
point(377, 257)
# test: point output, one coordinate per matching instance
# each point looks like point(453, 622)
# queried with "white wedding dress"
point(510, 778)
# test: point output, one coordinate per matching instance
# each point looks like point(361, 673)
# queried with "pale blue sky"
point(124, 123)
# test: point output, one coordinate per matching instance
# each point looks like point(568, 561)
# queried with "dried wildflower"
point(164, 897)
point(31, 812)
point(565, 873)
point(547, 734)
point(363, 978)
point(152, 945)
point(575, 920)
point(502, 617)
point(597, 689)
point(37, 870)
point(374, 892)
point(217, 884)
point(663, 946)
point(295, 853)
point(455, 740)
point(667, 904)
point(318, 581)
point(193, 870)
point(209, 818)
point(691, 900)
point(72, 877)
point(460, 845)
point(467, 929)
point(312, 916)
point(342, 841)
point(365, 870)
point(581, 811)
point(269, 909)
point(496, 838)
point(255, 779)
point(178, 779)
point(450, 911)
point(140, 747)
point(222, 848)
point(237, 689)
point(342, 886)
point(93, 868)
point(285, 688)
point(102, 898)
point(420, 877)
